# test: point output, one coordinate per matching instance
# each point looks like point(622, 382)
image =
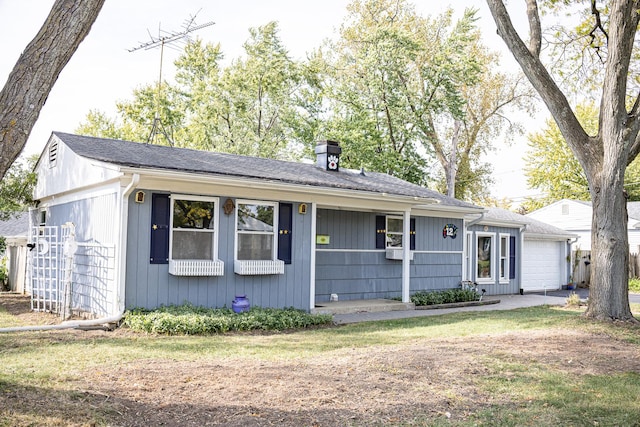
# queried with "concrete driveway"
point(507, 302)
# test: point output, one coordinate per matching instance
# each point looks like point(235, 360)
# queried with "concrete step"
point(361, 306)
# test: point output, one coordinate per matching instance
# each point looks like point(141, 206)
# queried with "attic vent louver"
point(328, 155)
point(53, 154)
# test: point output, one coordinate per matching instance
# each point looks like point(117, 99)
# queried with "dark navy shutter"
point(381, 232)
point(512, 257)
point(159, 229)
point(412, 234)
point(284, 232)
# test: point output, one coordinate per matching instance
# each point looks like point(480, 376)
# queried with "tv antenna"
point(171, 39)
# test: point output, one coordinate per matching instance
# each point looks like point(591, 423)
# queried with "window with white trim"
point(255, 229)
point(485, 243)
point(504, 258)
point(193, 228)
point(394, 232)
point(256, 245)
point(193, 248)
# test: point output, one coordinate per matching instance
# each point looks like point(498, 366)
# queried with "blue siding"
point(151, 285)
point(351, 267)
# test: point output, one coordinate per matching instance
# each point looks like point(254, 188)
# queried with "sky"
point(103, 71)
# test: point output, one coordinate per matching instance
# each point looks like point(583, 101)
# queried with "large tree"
point(605, 155)
point(390, 72)
point(36, 71)
point(408, 93)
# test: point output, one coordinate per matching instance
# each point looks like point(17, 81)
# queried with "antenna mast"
point(169, 39)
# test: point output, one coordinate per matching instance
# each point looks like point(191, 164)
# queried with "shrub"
point(188, 319)
point(573, 300)
point(634, 285)
point(444, 297)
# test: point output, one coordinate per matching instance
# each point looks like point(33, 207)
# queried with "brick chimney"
point(328, 155)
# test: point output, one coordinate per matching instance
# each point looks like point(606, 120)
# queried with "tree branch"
point(535, 30)
point(37, 70)
point(540, 78)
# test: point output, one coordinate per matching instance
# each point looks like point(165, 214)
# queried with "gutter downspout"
point(120, 259)
point(477, 220)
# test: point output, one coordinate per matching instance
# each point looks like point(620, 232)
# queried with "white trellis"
point(45, 268)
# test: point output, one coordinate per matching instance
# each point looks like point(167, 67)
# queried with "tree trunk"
point(36, 71)
point(609, 289)
point(604, 157)
point(451, 169)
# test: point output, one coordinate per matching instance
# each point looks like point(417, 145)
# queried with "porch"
point(361, 306)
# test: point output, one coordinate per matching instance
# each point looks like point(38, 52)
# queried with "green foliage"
point(191, 320)
point(245, 108)
point(444, 297)
point(634, 285)
point(3, 271)
point(17, 186)
point(389, 89)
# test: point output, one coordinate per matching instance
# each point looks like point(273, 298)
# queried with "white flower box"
point(196, 267)
point(258, 267)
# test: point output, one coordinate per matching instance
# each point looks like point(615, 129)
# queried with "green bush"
point(188, 319)
point(634, 285)
point(444, 297)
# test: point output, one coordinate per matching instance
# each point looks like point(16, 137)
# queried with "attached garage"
point(534, 260)
point(544, 265)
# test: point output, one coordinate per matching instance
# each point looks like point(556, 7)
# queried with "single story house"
point(14, 230)
point(140, 225)
point(535, 254)
point(575, 217)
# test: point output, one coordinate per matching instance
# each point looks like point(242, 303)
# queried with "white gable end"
point(565, 214)
point(60, 170)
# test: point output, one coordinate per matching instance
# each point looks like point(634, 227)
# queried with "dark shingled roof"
point(16, 225)
point(533, 226)
point(149, 156)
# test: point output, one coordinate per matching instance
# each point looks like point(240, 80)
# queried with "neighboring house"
point(575, 216)
point(531, 252)
point(139, 225)
point(15, 230)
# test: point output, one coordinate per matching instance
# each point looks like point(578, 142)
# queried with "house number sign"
point(450, 230)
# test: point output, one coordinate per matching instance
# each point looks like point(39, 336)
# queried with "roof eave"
point(409, 201)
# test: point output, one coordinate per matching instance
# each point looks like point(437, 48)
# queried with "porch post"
point(406, 253)
point(312, 258)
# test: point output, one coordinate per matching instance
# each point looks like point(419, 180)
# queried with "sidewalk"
point(507, 302)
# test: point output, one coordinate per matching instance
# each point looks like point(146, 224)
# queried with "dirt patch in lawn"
point(19, 306)
point(413, 383)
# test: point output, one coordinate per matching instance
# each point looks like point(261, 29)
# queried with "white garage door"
point(542, 265)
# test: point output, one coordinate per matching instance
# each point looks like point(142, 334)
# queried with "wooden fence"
point(581, 262)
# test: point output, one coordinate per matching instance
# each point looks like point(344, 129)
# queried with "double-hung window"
point(256, 244)
point(485, 257)
point(394, 232)
point(504, 259)
point(193, 249)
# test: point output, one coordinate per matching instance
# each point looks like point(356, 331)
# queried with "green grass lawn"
point(518, 392)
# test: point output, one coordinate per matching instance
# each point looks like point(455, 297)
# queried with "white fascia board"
point(162, 180)
point(557, 237)
point(100, 189)
point(508, 224)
